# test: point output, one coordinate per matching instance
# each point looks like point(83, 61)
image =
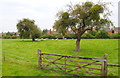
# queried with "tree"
point(28, 29)
point(45, 31)
point(60, 25)
point(86, 16)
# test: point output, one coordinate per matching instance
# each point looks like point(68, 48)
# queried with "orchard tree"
point(61, 24)
point(84, 17)
point(28, 29)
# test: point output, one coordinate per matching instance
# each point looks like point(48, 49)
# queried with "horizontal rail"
point(88, 58)
point(83, 62)
point(74, 65)
point(113, 65)
point(72, 69)
point(64, 72)
point(73, 61)
point(117, 65)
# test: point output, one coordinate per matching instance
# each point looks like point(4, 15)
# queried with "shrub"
point(70, 36)
point(114, 36)
point(10, 37)
point(102, 34)
point(52, 36)
point(93, 33)
point(14, 37)
point(84, 36)
point(89, 36)
point(59, 36)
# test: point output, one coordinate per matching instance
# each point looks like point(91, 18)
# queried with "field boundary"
point(54, 65)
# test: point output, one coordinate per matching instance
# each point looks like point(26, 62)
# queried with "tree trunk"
point(78, 45)
point(33, 39)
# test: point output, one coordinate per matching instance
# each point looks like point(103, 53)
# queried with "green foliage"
point(89, 36)
point(65, 15)
point(84, 17)
point(45, 31)
point(96, 9)
point(10, 37)
point(52, 36)
point(28, 29)
point(93, 33)
point(70, 36)
point(102, 34)
point(36, 33)
point(9, 34)
point(88, 5)
point(59, 36)
point(114, 36)
point(61, 24)
point(84, 36)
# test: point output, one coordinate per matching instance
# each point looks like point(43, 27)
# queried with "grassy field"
point(0, 57)
point(21, 55)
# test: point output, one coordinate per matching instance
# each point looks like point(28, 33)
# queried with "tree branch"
point(73, 29)
point(86, 30)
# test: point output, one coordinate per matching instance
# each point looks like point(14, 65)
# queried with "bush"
point(51, 36)
point(14, 37)
point(70, 36)
point(102, 34)
point(89, 36)
point(6, 37)
point(93, 33)
point(84, 36)
point(10, 37)
point(114, 36)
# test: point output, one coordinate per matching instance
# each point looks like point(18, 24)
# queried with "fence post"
point(65, 63)
point(104, 65)
point(39, 59)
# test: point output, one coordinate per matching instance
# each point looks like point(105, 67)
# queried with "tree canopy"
point(28, 29)
point(61, 24)
point(82, 17)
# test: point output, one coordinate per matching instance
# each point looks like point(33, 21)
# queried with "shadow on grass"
point(30, 41)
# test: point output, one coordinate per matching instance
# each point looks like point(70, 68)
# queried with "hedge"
point(90, 35)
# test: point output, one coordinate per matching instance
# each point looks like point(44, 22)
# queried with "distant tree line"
point(102, 34)
point(10, 35)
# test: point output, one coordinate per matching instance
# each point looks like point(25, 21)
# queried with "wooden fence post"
point(39, 59)
point(65, 63)
point(104, 65)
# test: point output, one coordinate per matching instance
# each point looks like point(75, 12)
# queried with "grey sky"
point(42, 11)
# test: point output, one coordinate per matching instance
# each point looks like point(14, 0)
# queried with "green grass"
point(21, 55)
point(0, 57)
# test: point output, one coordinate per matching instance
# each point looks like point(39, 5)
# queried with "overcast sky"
point(42, 11)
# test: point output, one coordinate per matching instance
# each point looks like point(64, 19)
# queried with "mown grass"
point(21, 55)
point(0, 57)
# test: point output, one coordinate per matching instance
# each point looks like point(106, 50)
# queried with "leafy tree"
point(9, 34)
point(83, 17)
point(45, 31)
point(61, 24)
point(28, 29)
